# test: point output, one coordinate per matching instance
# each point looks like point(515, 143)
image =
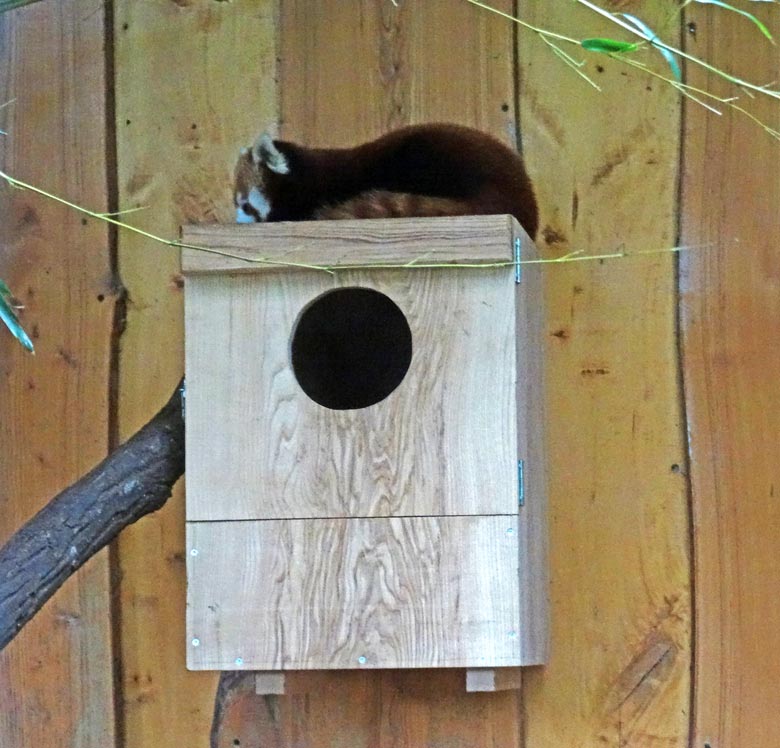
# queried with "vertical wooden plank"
point(56, 677)
point(605, 168)
point(349, 708)
point(352, 71)
point(429, 708)
point(195, 82)
point(393, 709)
point(729, 312)
point(348, 72)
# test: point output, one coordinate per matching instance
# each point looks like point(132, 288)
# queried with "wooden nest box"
point(365, 471)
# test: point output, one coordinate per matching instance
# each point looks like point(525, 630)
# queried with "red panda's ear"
point(264, 151)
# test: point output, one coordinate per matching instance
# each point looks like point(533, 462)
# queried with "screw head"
point(362, 660)
point(239, 661)
point(510, 530)
point(196, 642)
point(194, 552)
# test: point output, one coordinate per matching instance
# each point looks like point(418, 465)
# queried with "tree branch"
point(133, 481)
point(242, 717)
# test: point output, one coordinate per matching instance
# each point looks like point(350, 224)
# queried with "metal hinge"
point(183, 391)
point(518, 254)
point(521, 482)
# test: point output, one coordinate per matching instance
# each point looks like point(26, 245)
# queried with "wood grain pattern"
point(56, 677)
point(729, 318)
point(381, 709)
point(194, 83)
point(396, 55)
point(397, 592)
point(454, 239)
point(443, 442)
point(605, 165)
point(400, 69)
point(299, 682)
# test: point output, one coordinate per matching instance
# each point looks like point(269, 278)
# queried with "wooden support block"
point(493, 679)
point(270, 682)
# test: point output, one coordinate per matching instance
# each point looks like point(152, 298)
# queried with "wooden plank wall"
point(618, 527)
point(197, 79)
point(621, 611)
point(730, 309)
point(56, 678)
point(194, 82)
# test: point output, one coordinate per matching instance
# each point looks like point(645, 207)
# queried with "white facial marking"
point(259, 202)
point(242, 217)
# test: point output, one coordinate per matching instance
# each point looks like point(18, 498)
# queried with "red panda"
point(421, 170)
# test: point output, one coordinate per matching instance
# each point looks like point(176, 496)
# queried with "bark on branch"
point(133, 481)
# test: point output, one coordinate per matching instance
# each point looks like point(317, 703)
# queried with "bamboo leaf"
point(608, 46)
point(10, 4)
point(651, 37)
point(8, 316)
point(764, 30)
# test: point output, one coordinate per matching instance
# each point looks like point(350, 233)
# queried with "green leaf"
point(9, 4)
point(764, 30)
point(608, 46)
point(8, 316)
point(652, 37)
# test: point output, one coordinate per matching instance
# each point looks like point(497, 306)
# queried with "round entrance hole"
point(351, 348)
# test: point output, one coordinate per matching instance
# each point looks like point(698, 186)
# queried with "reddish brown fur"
point(424, 170)
point(383, 204)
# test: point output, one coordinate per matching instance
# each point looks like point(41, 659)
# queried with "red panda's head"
point(256, 168)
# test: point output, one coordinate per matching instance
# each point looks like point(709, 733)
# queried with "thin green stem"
point(575, 256)
point(570, 61)
point(691, 58)
point(694, 94)
point(19, 184)
point(525, 24)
